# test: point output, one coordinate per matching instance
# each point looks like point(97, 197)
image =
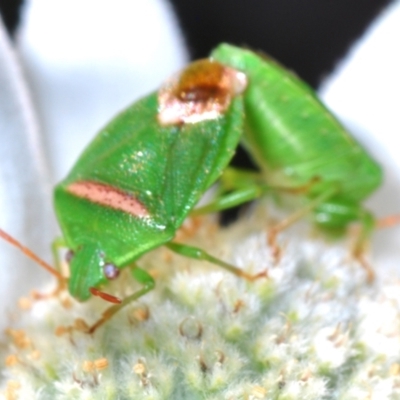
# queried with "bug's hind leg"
point(199, 254)
point(358, 251)
point(368, 223)
point(274, 231)
point(141, 276)
point(339, 213)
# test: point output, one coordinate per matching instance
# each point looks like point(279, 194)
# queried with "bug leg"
point(274, 231)
point(358, 251)
point(56, 245)
point(105, 296)
point(236, 187)
point(232, 199)
point(368, 223)
point(338, 214)
point(244, 186)
point(234, 178)
point(199, 254)
point(145, 279)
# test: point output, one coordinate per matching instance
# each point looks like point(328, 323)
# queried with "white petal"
point(88, 59)
point(25, 210)
point(364, 93)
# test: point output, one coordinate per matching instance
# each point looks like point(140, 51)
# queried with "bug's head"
point(88, 271)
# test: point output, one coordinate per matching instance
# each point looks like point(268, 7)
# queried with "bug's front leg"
point(141, 276)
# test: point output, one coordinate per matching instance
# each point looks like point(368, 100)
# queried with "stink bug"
point(300, 146)
point(135, 184)
point(143, 174)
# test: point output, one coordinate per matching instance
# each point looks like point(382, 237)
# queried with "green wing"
point(164, 169)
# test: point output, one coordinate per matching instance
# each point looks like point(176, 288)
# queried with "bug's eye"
point(69, 255)
point(110, 271)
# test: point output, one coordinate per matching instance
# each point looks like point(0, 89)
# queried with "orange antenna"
point(105, 296)
point(30, 254)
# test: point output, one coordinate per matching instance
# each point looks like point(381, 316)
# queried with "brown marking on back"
point(108, 196)
point(202, 91)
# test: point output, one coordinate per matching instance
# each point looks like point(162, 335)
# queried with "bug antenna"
point(31, 254)
point(105, 296)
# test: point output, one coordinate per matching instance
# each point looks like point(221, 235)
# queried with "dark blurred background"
point(307, 36)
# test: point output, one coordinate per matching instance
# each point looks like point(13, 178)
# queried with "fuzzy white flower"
point(313, 330)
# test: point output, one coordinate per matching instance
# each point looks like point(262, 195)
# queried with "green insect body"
point(296, 141)
point(144, 173)
point(139, 179)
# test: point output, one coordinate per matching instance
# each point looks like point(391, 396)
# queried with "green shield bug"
point(299, 145)
point(135, 184)
point(144, 173)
